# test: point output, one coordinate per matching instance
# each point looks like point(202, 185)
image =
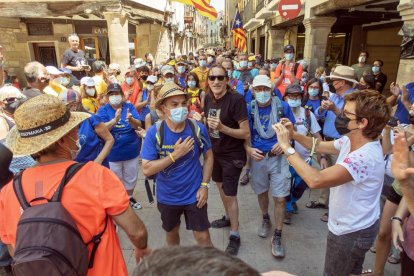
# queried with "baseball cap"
point(167, 69)
point(114, 87)
point(69, 96)
point(90, 82)
point(52, 70)
point(288, 47)
point(262, 80)
point(293, 88)
point(152, 79)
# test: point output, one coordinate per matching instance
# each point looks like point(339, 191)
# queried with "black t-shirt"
point(231, 109)
point(75, 59)
point(381, 78)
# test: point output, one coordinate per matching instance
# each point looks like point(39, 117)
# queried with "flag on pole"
point(203, 7)
point(239, 35)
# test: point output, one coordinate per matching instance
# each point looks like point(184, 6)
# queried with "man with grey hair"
point(74, 58)
point(37, 79)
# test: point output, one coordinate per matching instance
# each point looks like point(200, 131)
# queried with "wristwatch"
point(290, 151)
point(205, 185)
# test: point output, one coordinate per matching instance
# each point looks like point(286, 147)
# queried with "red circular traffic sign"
point(289, 9)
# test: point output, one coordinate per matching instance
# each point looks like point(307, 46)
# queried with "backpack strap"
point(18, 190)
point(96, 240)
point(70, 172)
point(279, 108)
point(159, 135)
point(195, 128)
point(295, 70)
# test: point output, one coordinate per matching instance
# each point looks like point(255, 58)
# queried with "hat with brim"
point(343, 73)
point(41, 122)
point(169, 90)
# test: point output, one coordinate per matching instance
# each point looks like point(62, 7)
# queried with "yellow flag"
point(187, 2)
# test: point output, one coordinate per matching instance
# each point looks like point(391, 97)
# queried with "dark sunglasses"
point(213, 78)
point(10, 100)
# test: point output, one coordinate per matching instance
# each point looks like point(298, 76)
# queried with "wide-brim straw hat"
point(40, 122)
point(169, 90)
point(343, 73)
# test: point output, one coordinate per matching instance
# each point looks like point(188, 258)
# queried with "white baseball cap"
point(167, 69)
point(262, 80)
point(52, 70)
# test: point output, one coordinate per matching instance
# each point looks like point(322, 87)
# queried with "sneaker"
point(245, 179)
point(288, 218)
point(134, 204)
point(220, 223)
point(277, 248)
point(295, 208)
point(264, 229)
point(234, 245)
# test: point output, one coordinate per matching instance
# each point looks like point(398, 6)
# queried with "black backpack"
point(48, 241)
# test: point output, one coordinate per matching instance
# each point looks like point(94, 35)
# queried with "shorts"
point(271, 172)
point(345, 254)
point(196, 219)
point(393, 196)
point(228, 172)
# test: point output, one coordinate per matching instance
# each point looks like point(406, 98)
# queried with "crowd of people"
point(80, 134)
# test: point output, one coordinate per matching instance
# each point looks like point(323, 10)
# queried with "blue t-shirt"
point(401, 112)
point(91, 144)
point(146, 109)
point(127, 143)
point(315, 104)
point(248, 96)
point(254, 72)
point(178, 184)
point(258, 142)
point(278, 94)
point(181, 81)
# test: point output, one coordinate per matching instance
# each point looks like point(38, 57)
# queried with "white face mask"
point(263, 97)
point(65, 81)
point(169, 80)
point(75, 153)
point(191, 84)
point(180, 69)
point(179, 114)
point(90, 92)
point(150, 87)
point(210, 59)
point(115, 99)
point(362, 59)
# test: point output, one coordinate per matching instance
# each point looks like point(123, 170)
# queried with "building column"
point(406, 67)
point(275, 43)
point(317, 30)
point(118, 38)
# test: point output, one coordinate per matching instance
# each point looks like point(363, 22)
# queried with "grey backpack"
point(48, 241)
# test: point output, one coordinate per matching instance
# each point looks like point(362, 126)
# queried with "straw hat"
point(169, 90)
point(40, 122)
point(343, 73)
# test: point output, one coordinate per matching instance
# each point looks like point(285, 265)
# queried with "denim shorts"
point(345, 254)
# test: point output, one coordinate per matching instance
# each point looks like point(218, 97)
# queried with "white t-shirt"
point(302, 128)
point(354, 206)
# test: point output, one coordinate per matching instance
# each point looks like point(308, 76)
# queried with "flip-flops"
point(325, 217)
point(316, 205)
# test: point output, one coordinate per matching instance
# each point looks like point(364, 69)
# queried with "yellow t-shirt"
point(100, 85)
point(202, 76)
point(90, 104)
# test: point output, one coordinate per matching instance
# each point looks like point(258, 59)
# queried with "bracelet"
point(397, 218)
point(204, 184)
point(172, 158)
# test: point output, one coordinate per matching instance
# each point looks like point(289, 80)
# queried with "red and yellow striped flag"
point(203, 7)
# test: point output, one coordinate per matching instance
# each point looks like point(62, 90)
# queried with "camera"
point(393, 122)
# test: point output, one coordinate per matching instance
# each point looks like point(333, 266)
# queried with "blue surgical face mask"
point(375, 69)
point(129, 80)
point(191, 84)
point(179, 114)
point(273, 66)
point(169, 80)
point(263, 97)
point(322, 78)
point(243, 63)
point(289, 56)
point(180, 69)
point(203, 63)
point(230, 73)
point(294, 102)
point(250, 64)
point(313, 92)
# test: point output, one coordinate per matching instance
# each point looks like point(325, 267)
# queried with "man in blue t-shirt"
point(269, 167)
point(403, 99)
point(171, 151)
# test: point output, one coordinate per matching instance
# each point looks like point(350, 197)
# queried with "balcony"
point(260, 5)
point(248, 15)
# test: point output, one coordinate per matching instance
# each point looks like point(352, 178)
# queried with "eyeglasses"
point(213, 78)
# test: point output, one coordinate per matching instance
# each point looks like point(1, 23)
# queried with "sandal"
point(368, 272)
point(316, 205)
point(325, 217)
point(373, 249)
point(392, 259)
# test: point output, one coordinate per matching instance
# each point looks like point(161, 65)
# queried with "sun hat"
point(114, 87)
point(40, 122)
point(169, 90)
point(52, 70)
point(90, 82)
point(152, 79)
point(167, 69)
point(114, 67)
point(293, 88)
point(252, 58)
point(84, 79)
point(343, 73)
point(262, 80)
point(9, 91)
point(70, 96)
point(139, 62)
point(210, 52)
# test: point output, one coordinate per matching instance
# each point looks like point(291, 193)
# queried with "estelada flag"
point(239, 35)
point(203, 7)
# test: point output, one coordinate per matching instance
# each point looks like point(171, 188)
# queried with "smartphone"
point(393, 122)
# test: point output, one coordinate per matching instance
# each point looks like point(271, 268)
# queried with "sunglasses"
point(10, 100)
point(213, 78)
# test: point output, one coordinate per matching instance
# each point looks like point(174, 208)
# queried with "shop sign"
point(99, 31)
point(289, 9)
point(40, 28)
